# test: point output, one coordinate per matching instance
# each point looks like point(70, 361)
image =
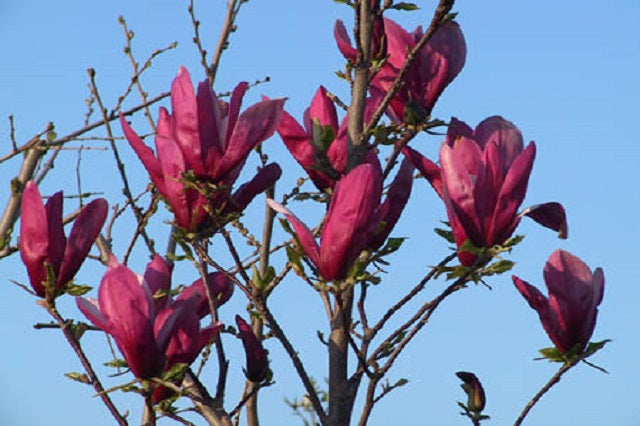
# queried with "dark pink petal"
point(254, 125)
point(257, 362)
point(85, 230)
point(427, 168)
point(504, 134)
point(456, 129)
point(57, 239)
point(125, 308)
point(209, 124)
point(177, 331)
point(262, 181)
point(458, 192)
point(348, 229)
point(510, 198)
point(399, 42)
point(157, 278)
point(220, 286)
point(305, 237)
point(474, 390)
point(208, 335)
point(234, 111)
point(173, 166)
point(440, 61)
point(323, 110)
point(394, 204)
point(299, 144)
point(343, 41)
point(550, 215)
point(91, 309)
point(145, 154)
point(547, 317)
point(185, 130)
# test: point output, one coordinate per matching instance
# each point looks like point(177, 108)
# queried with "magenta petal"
point(399, 42)
point(172, 167)
point(220, 286)
point(456, 129)
point(510, 198)
point(504, 134)
point(209, 123)
point(343, 41)
point(185, 120)
point(157, 277)
point(145, 154)
point(125, 308)
point(262, 181)
point(234, 110)
point(85, 230)
point(177, 330)
point(323, 110)
point(458, 190)
point(91, 309)
point(257, 362)
point(550, 215)
point(540, 304)
point(254, 125)
point(348, 229)
point(427, 168)
point(441, 61)
point(394, 204)
point(305, 237)
point(57, 239)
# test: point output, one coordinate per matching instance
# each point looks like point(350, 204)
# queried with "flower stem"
point(554, 379)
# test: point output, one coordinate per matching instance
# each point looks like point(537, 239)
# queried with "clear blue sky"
point(565, 72)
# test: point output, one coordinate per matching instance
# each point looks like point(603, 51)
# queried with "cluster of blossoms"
point(201, 148)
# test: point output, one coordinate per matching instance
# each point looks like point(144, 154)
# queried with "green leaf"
point(116, 363)
point(176, 372)
point(594, 347)
point(295, 258)
point(499, 267)
point(446, 234)
point(78, 377)
point(51, 136)
point(552, 354)
point(76, 289)
point(405, 6)
point(322, 136)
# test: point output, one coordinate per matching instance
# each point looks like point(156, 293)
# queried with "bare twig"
point(554, 379)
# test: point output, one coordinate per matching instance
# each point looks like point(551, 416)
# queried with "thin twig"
point(554, 379)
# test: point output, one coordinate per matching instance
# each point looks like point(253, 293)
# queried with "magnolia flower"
point(482, 180)
point(152, 331)
point(43, 242)
point(569, 314)
point(257, 362)
point(321, 146)
point(435, 66)
point(211, 139)
point(355, 220)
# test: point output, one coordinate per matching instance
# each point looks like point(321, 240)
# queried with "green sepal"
point(78, 377)
point(405, 6)
point(76, 289)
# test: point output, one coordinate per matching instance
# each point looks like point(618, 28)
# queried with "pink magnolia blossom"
point(257, 362)
point(321, 146)
point(569, 314)
point(435, 66)
point(355, 220)
point(482, 180)
point(211, 139)
point(152, 333)
point(43, 242)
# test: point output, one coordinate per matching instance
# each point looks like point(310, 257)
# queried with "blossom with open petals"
point(211, 139)
point(43, 242)
point(482, 179)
